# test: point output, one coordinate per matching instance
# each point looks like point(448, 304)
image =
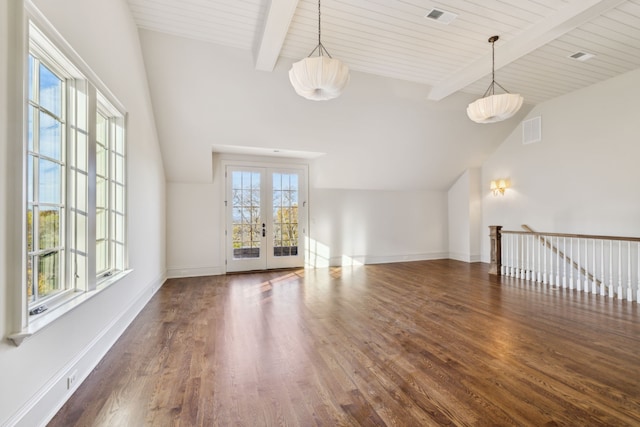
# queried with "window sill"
point(41, 321)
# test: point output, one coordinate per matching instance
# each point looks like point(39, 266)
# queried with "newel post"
point(496, 249)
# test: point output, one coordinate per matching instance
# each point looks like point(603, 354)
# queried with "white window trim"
point(64, 306)
point(69, 60)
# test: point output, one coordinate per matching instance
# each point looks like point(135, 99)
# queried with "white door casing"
point(266, 217)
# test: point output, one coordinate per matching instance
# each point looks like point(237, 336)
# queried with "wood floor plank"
point(408, 344)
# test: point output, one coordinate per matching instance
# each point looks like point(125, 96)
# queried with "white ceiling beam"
point(275, 30)
point(570, 17)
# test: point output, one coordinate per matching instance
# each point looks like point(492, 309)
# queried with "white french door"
point(265, 217)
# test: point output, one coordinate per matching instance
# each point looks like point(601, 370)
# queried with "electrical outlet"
point(71, 380)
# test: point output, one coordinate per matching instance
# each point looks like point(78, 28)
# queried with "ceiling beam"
point(564, 20)
point(275, 30)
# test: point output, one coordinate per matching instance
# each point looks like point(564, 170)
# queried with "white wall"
point(583, 176)
point(33, 375)
point(475, 214)
point(385, 146)
point(345, 226)
point(459, 221)
point(465, 215)
point(368, 227)
point(193, 230)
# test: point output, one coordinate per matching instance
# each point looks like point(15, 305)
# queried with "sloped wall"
point(583, 176)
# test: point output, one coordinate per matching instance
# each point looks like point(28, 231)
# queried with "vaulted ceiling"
point(393, 38)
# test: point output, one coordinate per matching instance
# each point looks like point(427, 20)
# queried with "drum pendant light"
point(493, 108)
point(321, 77)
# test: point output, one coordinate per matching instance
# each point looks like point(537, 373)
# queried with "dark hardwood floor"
point(410, 344)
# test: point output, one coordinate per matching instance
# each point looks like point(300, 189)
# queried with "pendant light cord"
point(319, 42)
point(320, 48)
point(493, 66)
point(492, 87)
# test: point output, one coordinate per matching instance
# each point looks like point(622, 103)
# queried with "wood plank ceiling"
point(393, 38)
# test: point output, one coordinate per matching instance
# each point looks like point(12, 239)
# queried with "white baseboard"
point(458, 256)
point(178, 272)
point(45, 403)
point(465, 257)
point(369, 259)
point(475, 258)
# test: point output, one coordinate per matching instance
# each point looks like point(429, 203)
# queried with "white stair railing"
point(600, 265)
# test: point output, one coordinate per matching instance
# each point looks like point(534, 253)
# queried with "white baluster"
point(564, 268)
point(594, 285)
point(514, 264)
point(629, 291)
point(509, 256)
point(522, 257)
point(619, 269)
point(539, 279)
point(610, 268)
point(558, 259)
point(602, 279)
point(544, 254)
point(517, 256)
point(529, 257)
point(525, 256)
point(572, 268)
point(638, 292)
point(578, 281)
point(551, 262)
point(503, 255)
point(510, 273)
point(587, 289)
point(513, 256)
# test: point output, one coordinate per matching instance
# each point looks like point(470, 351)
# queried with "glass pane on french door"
point(265, 219)
point(246, 219)
point(285, 213)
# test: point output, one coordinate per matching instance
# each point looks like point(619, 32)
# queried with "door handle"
point(264, 230)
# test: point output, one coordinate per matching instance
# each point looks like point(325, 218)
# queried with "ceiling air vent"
point(581, 56)
point(532, 130)
point(441, 16)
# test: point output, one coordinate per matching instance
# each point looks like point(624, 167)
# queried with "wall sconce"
point(498, 186)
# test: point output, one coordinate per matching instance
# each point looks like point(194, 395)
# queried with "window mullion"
point(110, 190)
point(91, 196)
point(35, 165)
point(71, 187)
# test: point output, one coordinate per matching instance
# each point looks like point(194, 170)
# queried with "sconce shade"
point(494, 108)
point(498, 187)
point(319, 78)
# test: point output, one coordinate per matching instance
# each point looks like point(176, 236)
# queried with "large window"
point(46, 171)
point(75, 180)
point(110, 190)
